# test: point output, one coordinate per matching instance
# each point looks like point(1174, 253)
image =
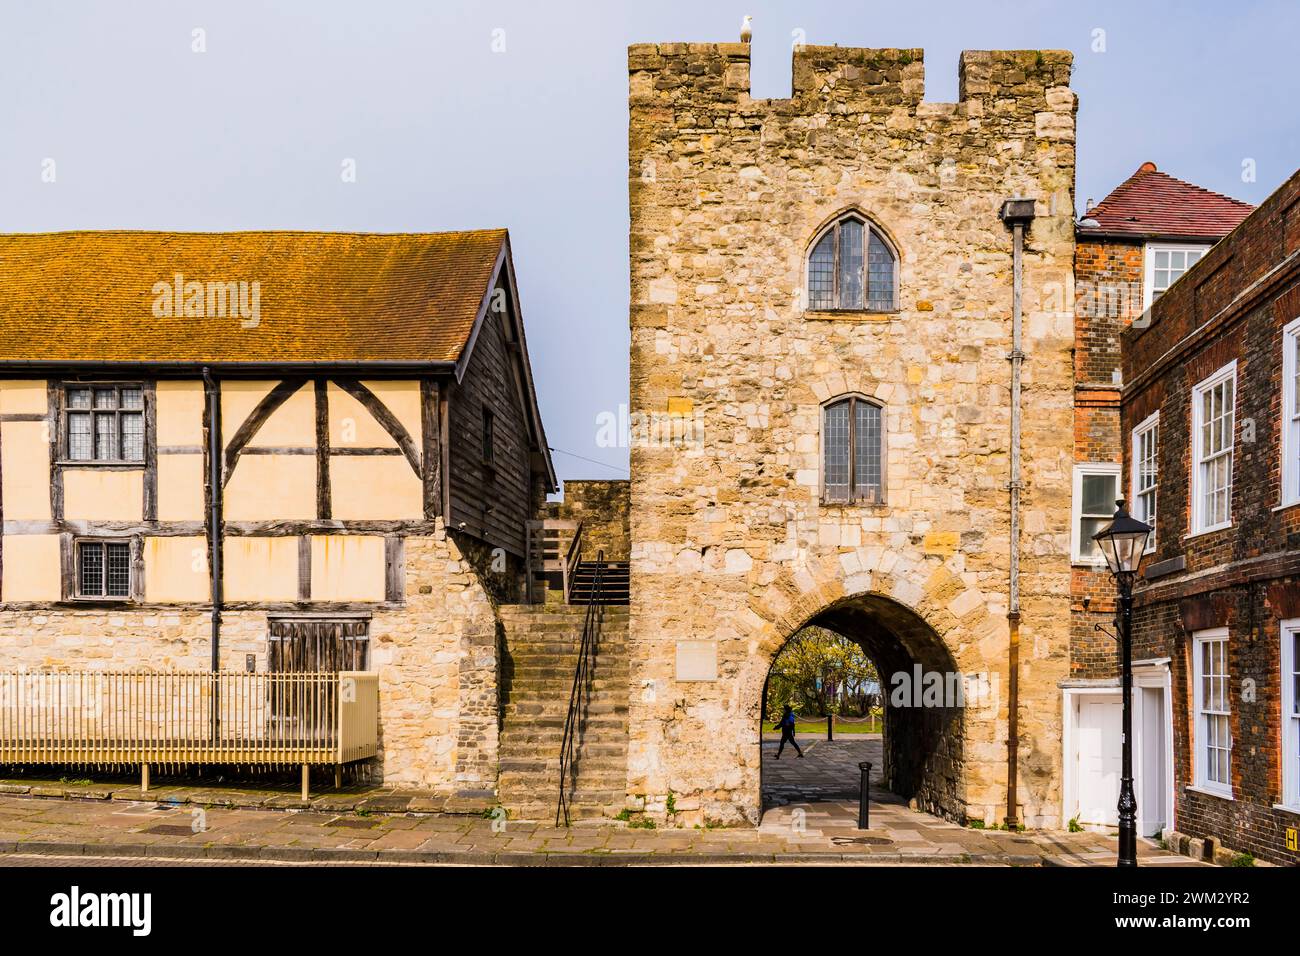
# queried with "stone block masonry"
point(732, 547)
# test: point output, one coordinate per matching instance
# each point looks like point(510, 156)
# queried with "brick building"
point(1129, 249)
point(1213, 381)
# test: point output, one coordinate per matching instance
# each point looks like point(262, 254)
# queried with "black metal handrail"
point(581, 677)
point(572, 561)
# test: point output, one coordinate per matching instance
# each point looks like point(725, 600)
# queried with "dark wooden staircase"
point(614, 583)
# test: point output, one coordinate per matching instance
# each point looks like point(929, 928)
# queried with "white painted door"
point(1100, 720)
point(1152, 786)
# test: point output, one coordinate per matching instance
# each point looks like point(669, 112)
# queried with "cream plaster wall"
point(180, 487)
point(352, 426)
point(25, 470)
point(260, 569)
point(24, 397)
point(347, 567)
point(102, 495)
point(176, 569)
point(179, 415)
point(378, 487)
point(32, 567)
point(272, 487)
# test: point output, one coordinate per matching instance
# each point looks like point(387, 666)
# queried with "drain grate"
point(171, 829)
point(862, 841)
point(351, 823)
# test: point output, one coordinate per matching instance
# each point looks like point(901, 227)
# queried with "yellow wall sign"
point(1291, 843)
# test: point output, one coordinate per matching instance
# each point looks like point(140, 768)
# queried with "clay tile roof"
point(1152, 203)
point(324, 297)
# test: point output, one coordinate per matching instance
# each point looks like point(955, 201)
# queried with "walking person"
point(786, 726)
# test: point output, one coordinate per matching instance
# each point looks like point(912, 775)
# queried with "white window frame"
point(1289, 469)
point(1196, 511)
point(1290, 673)
point(1200, 733)
point(1150, 424)
point(1149, 265)
point(1113, 469)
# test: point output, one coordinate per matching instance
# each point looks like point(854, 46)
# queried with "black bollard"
point(864, 797)
point(830, 728)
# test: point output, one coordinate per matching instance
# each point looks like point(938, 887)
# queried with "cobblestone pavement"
point(828, 771)
point(110, 828)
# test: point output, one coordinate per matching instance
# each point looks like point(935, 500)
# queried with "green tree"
point(819, 672)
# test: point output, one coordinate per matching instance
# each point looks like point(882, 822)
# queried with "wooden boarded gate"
point(312, 646)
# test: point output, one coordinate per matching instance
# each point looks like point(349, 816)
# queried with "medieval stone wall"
point(603, 508)
point(732, 548)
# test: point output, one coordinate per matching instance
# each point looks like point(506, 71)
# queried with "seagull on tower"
point(747, 29)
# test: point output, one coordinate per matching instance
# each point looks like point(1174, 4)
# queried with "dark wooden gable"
point(491, 499)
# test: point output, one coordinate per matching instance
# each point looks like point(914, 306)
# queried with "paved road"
point(812, 819)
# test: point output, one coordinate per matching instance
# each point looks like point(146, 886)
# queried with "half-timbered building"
point(272, 451)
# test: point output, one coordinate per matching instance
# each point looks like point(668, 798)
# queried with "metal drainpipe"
point(215, 513)
point(1016, 213)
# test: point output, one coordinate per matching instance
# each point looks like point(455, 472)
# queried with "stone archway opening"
point(920, 747)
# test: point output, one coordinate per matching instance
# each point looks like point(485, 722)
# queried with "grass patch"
point(866, 727)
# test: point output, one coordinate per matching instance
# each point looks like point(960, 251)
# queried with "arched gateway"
point(938, 648)
point(925, 698)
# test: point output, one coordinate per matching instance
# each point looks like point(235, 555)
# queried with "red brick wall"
point(1108, 295)
point(1246, 577)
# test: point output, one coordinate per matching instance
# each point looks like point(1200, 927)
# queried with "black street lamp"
point(1122, 542)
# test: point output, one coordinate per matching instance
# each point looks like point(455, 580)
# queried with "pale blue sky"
point(448, 134)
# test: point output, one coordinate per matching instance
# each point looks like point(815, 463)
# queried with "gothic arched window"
point(853, 451)
point(852, 268)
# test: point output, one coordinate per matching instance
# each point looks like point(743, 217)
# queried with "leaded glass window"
point(852, 268)
point(104, 569)
point(852, 452)
point(105, 423)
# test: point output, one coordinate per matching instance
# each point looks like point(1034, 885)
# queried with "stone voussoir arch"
point(924, 585)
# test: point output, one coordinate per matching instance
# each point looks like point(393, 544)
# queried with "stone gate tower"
point(834, 265)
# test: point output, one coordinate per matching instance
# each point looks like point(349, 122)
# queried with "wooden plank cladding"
point(489, 488)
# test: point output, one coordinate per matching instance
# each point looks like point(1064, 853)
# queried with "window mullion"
point(835, 266)
point(866, 266)
point(853, 450)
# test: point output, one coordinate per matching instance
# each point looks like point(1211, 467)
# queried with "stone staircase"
point(542, 643)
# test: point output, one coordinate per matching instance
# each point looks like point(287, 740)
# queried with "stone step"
point(610, 796)
point(543, 645)
point(555, 694)
point(520, 758)
point(549, 736)
point(600, 715)
point(551, 679)
point(521, 751)
point(516, 774)
point(553, 700)
point(525, 615)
